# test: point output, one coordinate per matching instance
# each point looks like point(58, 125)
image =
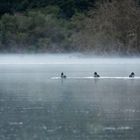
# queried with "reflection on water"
point(35, 107)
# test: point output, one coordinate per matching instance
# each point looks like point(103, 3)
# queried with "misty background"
point(54, 26)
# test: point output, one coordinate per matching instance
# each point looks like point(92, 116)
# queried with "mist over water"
point(34, 106)
point(75, 58)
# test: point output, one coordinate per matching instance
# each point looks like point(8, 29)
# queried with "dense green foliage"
point(107, 26)
point(67, 7)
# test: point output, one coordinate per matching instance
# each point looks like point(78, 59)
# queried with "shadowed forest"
point(54, 26)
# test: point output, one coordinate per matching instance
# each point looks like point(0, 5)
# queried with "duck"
point(132, 75)
point(96, 74)
point(63, 76)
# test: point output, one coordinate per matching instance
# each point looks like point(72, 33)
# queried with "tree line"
point(101, 27)
point(67, 7)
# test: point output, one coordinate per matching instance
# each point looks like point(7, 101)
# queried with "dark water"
point(35, 107)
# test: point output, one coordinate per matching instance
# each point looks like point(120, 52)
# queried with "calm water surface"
point(35, 107)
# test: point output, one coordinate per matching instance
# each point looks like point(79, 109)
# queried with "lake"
point(34, 105)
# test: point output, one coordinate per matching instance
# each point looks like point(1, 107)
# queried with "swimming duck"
point(63, 76)
point(96, 74)
point(132, 75)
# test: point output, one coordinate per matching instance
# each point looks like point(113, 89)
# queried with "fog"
point(64, 59)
